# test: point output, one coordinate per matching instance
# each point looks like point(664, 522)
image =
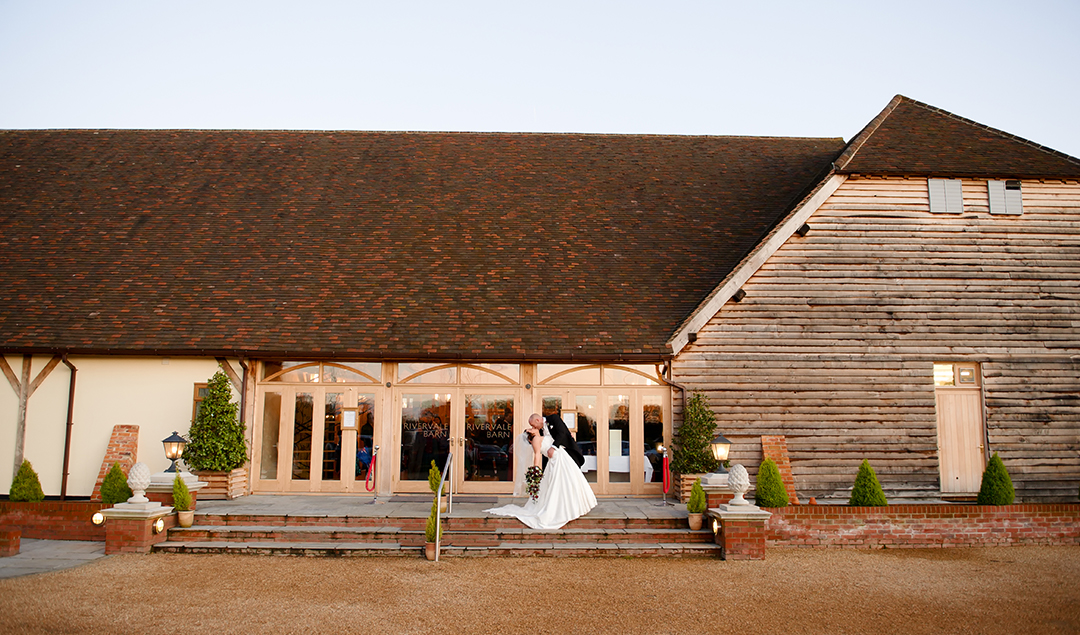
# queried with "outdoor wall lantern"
point(98, 518)
point(174, 449)
point(159, 525)
point(720, 447)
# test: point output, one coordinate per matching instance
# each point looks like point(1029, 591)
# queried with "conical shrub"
point(217, 437)
point(770, 490)
point(698, 501)
point(997, 487)
point(114, 489)
point(181, 495)
point(26, 487)
point(867, 491)
point(433, 522)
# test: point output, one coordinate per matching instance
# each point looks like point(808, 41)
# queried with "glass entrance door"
point(301, 445)
point(477, 425)
point(618, 431)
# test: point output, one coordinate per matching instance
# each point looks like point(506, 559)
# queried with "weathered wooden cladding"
point(834, 343)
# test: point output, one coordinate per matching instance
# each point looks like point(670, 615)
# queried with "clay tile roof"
point(377, 245)
point(915, 139)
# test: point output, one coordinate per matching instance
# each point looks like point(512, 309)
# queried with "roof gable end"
point(911, 138)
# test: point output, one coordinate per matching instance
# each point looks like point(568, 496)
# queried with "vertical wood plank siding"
point(834, 344)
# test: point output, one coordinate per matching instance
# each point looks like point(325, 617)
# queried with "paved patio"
point(39, 556)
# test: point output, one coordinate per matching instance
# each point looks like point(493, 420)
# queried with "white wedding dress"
point(564, 493)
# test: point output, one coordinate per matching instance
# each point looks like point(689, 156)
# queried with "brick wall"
point(924, 526)
point(775, 448)
point(54, 520)
point(123, 449)
point(134, 535)
point(742, 539)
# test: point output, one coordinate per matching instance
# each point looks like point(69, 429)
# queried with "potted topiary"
point(217, 451)
point(434, 475)
point(114, 487)
point(867, 491)
point(182, 502)
point(430, 530)
point(770, 491)
point(692, 454)
point(695, 507)
point(997, 487)
point(26, 487)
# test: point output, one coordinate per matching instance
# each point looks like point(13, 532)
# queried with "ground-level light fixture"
point(174, 449)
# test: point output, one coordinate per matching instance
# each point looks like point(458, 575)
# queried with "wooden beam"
point(230, 372)
point(42, 375)
point(20, 421)
point(10, 374)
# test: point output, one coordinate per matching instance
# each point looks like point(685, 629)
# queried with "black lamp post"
point(174, 449)
point(720, 447)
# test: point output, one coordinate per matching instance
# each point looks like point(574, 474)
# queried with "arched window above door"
point(322, 372)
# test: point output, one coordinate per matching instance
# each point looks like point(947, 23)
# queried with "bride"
point(563, 493)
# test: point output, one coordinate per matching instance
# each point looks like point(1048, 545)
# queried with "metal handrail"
point(438, 502)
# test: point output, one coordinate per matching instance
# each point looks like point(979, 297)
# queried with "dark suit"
point(561, 436)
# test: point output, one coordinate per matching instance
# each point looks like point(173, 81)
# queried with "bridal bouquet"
point(532, 481)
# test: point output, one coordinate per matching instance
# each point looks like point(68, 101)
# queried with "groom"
point(553, 425)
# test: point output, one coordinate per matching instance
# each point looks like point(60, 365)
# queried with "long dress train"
point(564, 494)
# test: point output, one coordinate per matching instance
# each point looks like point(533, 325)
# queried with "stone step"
point(331, 535)
point(491, 523)
point(504, 549)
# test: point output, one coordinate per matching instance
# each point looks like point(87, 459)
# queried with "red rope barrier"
point(369, 482)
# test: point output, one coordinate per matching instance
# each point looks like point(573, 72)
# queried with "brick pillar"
point(10, 539)
point(135, 535)
point(123, 449)
point(742, 539)
point(741, 535)
point(775, 448)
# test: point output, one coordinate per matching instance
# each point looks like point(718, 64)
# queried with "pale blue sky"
point(714, 68)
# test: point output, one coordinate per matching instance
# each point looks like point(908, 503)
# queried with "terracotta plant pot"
point(695, 521)
point(185, 518)
point(429, 550)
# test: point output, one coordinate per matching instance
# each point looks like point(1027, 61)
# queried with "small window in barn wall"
point(201, 390)
point(946, 196)
point(1005, 197)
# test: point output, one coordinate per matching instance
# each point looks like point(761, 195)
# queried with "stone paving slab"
point(40, 556)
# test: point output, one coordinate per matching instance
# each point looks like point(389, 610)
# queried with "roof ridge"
point(422, 132)
point(1000, 133)
point(857, 142)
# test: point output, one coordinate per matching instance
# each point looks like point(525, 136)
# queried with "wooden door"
point(961, 449)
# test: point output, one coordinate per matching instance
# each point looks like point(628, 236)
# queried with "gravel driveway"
point(993, 590)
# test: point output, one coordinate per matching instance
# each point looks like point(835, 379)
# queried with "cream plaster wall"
point(153, 393)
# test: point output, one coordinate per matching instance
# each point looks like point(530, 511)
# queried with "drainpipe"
point(243, 391)
point(70, 423)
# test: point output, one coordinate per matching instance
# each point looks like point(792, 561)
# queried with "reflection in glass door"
point(618, 434)
point(489, 432)
point(587, 413)
point(480, 433)
point(425, 434)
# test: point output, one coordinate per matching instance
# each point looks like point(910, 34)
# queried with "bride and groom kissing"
point(559, 491)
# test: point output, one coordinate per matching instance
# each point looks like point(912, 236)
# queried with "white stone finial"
point(738, 481)
point(138, 480)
